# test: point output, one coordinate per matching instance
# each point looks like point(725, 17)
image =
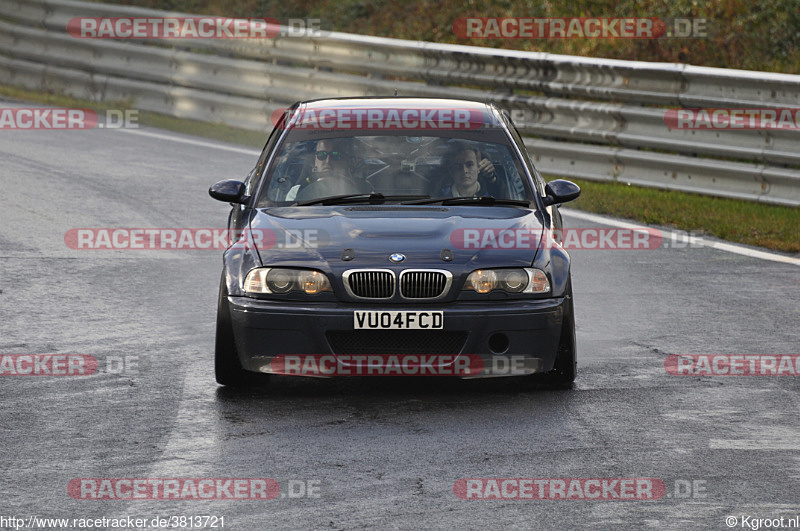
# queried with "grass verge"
point(773, 227)
point(770, 226)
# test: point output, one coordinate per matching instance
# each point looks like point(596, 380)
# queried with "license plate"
point(401, 320)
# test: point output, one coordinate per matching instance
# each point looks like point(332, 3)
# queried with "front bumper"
point(509, 337)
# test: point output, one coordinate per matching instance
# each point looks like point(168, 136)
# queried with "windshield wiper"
point(373, 199)
point(484, 200)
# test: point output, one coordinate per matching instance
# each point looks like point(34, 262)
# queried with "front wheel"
point(227, 367)
point(566, 366)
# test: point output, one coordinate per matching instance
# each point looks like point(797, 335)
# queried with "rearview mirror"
point(228, 191)
point(560, 191)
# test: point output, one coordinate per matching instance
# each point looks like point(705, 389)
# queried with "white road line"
point(193, 142)
point(753, 444)
point(680, 236)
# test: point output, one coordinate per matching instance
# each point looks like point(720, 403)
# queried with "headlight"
point(280, 280)
point(482, 281)
point(527, 280)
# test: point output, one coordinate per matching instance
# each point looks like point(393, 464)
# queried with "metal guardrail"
point(612, 135)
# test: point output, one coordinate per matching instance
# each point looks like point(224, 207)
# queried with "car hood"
point(355, 236)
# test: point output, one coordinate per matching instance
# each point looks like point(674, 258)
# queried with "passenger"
point(463, 167)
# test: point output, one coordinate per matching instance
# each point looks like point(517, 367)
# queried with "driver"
point(332, 173)
point(332, 157)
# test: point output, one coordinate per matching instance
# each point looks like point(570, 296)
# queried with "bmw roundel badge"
point(397, 257)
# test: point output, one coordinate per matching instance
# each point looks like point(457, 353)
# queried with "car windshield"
point(309, 167)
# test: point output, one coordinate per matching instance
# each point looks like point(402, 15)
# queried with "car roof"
point(484, 109)
point(394, 102)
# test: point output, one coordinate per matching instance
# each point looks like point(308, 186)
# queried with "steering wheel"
point(331, 185)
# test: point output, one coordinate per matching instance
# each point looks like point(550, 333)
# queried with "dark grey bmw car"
point(392, 236)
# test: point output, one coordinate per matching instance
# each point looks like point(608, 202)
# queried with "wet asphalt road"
point(380, 453)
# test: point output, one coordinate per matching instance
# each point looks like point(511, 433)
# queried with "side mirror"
point(228, 191)
point(560, 191)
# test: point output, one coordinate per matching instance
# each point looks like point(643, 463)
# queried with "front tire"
point(227, 367)
point(565, 368)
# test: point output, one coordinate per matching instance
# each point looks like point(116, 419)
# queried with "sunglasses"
point(335, 155)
